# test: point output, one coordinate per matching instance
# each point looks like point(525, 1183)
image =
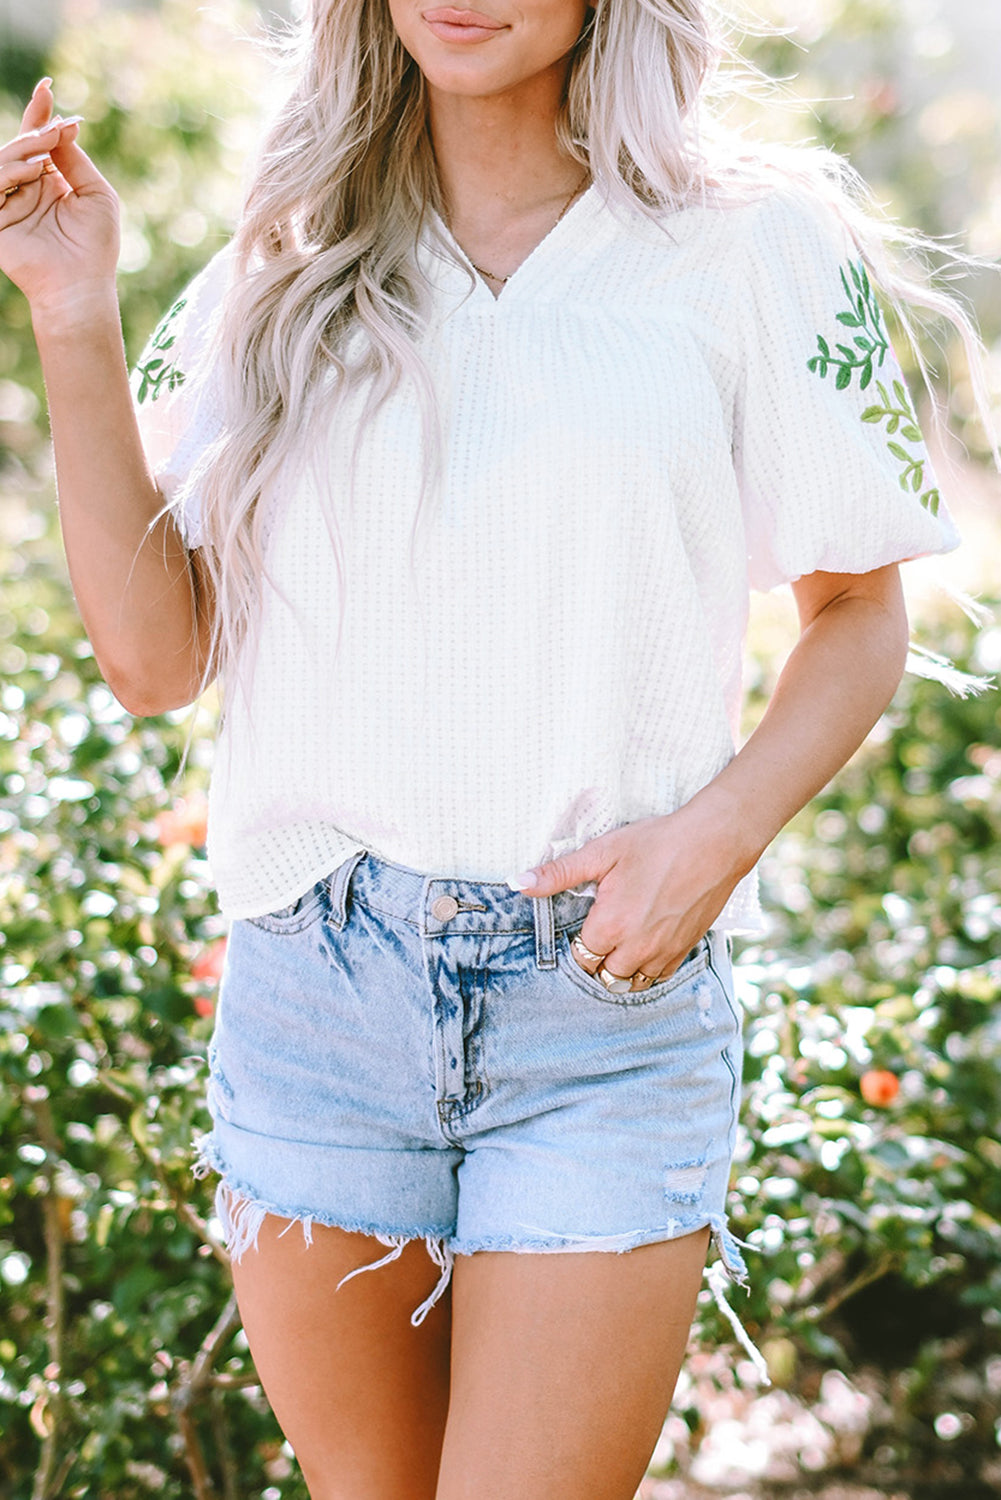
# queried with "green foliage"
point(894, 415)
point(869, 344)
point(103, 1026)
point(109, 1257)
point(886, 902)
point(156, 369)
point(886, 893)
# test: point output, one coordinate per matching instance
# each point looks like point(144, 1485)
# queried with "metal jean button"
point(444, 908)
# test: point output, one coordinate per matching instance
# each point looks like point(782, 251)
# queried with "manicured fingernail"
point(32, 161)
point(57, 123)
point(43, 83)
point(523, 882)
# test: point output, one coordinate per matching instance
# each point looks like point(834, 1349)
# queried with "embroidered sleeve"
point(175, 396)
point(831, 463)
point(861, 360)
point(158, 371)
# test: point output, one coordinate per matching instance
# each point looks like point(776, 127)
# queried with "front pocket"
point(295, 917)
point(687, 970)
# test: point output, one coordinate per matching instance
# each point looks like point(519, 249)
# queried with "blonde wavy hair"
point(326, 249)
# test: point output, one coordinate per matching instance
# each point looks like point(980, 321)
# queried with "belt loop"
point(718, 946)
point(545, 932)
point(339, 883)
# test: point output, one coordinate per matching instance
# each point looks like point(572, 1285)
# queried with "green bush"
point(880, 1223)
point(108, 1264)
point(109, 944)
point(123, 1371)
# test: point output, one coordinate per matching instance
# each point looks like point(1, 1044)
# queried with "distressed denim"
point(413, 1056)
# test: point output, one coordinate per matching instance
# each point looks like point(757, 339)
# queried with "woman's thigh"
point(563, 1368)
point(360, 1393)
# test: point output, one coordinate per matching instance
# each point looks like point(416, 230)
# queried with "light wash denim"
point(414, 1056)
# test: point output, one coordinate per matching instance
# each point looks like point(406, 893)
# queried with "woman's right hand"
point(59, 231)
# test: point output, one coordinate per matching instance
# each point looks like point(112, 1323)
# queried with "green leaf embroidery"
point(158, 373)
point(871, 344)
point(867, 353)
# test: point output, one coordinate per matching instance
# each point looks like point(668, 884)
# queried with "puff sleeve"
point(831, 465)
point(176, 398)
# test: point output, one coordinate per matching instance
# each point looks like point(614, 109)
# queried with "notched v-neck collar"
point(546, 253)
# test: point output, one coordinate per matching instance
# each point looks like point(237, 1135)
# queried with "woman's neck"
point(502, 171)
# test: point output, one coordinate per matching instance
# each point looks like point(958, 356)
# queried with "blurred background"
point(868, 1180)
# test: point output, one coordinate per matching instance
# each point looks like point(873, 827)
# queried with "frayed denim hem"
point(731, 1264)
point(547, 1241)
point(241, 1214)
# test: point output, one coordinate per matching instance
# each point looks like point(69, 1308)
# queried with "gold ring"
point(582, 948)
point(615, 983)
point(48, 167)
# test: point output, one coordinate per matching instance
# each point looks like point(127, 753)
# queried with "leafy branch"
point(901, 420)
point(888, 1262)
point(156, 369)
point(155, 1162)
point(871, 346)
point(913, 474)
point(897, 417)
point(870, 343)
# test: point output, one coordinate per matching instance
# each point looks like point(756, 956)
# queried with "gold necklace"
point(503, 280)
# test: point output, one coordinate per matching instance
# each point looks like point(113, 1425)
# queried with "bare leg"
point(359, 1392)
point(563, 1368)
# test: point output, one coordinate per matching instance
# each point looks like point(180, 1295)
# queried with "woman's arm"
point(839, 678)
point(141, 595)
point(664, 880)
point(139, 591)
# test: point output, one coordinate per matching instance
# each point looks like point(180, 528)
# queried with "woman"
point(458, 464)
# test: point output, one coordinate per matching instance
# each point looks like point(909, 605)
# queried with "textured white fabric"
point(632, 436)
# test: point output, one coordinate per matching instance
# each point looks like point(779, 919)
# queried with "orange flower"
point(879, 1086)
point(207, 967)
point(185, 822)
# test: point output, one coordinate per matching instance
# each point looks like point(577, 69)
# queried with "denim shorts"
point(414, 1056)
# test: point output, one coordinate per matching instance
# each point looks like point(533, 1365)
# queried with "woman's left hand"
point(662, 882)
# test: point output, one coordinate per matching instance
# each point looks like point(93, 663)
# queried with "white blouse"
point(648, 420)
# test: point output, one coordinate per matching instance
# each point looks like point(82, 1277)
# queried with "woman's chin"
point(465, 79)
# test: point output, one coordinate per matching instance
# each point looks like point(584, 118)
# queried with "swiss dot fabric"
point(642, 426)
